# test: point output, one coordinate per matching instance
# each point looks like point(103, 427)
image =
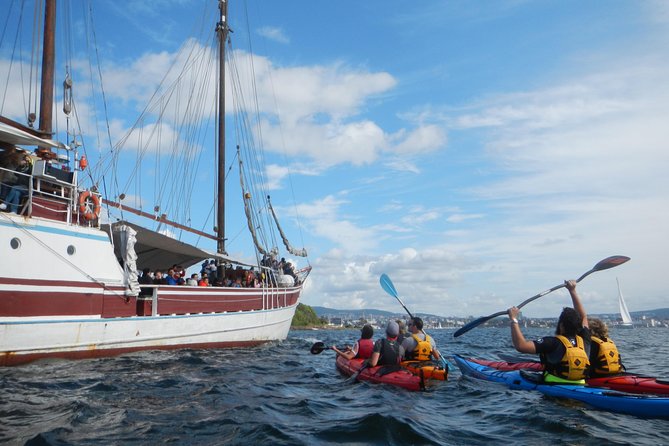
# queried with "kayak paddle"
point(389, 288)
point(318, 347)
point(607, 263)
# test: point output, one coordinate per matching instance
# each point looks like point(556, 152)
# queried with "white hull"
point(86, 337)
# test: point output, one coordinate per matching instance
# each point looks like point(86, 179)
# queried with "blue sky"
point(476, 152)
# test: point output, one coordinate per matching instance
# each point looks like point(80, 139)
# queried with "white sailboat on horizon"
point(624, 312)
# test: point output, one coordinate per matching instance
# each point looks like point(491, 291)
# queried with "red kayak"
point(385, 374)
point(624, 382)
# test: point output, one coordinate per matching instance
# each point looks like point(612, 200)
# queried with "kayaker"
point(362, 348)
point(387, 350)
point(403, 331)
point(418, 345)
point(604, 356)
point(565, 355)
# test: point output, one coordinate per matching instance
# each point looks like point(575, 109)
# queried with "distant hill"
point(659, 314)
point(367, 313)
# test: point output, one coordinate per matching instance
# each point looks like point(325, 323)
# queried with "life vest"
point(423, 348)
point(365, 348)
point(574, 364)
point(607, 361)
point(390, 352)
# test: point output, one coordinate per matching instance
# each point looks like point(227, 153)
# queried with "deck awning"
point(17, 136)
point(157, 251)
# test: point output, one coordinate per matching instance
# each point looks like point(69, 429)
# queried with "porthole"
point(71, 250)
point(15, 243)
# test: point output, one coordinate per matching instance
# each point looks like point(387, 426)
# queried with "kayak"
point(428, 369)
point(641, 405)
point(395, 375)
point(624, 382)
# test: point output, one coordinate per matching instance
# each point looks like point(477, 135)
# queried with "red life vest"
point(365, 348)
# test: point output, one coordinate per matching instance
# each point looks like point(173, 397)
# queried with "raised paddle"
point(607, 263)
point(389, 288)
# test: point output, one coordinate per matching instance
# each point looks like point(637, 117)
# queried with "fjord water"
point(282, 394)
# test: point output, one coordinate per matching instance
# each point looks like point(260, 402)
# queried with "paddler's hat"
point(392, 329)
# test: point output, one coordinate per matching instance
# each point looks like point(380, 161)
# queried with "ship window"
point(15, 243)
point(71, 250)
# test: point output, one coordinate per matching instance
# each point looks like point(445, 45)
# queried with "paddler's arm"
point(433, 346)
point(349, 353)
point(374, 359)
point(519, 342)
point(576, 301)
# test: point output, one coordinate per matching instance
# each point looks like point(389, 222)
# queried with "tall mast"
point(48, 63)
point(222, 31)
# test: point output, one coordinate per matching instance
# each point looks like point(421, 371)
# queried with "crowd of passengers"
point(238, 277)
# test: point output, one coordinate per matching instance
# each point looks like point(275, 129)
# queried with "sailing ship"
point(69, 284)
point(624, 312)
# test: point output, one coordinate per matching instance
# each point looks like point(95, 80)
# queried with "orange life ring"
point(89, 205)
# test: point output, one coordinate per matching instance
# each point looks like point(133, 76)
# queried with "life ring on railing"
point(89, 205)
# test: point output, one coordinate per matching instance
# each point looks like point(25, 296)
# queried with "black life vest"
point(390, 352)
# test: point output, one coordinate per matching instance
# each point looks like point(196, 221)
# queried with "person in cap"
point(387, 350)
point(418, 345)
point(362, 348)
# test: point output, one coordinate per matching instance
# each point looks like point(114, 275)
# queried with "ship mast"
point(48, 64)
point(222, 32)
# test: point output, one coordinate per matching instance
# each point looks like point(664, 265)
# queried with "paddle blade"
point(475, 323)
point(387, 285)
point(610, 262)
point(607, 263)
point(317, 348)
point(470, 326)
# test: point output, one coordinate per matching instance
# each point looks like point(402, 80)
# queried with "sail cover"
point(157, 251)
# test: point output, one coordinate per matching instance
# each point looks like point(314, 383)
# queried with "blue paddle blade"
point(387, 285)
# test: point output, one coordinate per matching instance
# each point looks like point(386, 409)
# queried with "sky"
point(477, 153)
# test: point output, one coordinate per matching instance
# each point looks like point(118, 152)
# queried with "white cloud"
point(274, 33)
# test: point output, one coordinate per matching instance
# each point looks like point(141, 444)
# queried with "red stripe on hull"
point(72, 303)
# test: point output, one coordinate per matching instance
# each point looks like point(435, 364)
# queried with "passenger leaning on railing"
point(19, 185)
point(9, 161)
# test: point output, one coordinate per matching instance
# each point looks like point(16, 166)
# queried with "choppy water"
point(282, 394)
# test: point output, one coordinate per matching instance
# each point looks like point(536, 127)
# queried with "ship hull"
point(55, 305)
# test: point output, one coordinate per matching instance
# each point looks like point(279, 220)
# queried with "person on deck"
point(387, 350)
point(565, 355)
point(362, 348)
point(604, 356)
point(20, 185)
point(418, 345)
point(146, 279)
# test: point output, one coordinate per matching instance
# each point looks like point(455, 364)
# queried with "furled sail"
point(247, 210)
point(296, 252)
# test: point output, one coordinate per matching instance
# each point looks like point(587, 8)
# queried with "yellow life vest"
point(574, 364)
point(423, 348)
point(608, 358)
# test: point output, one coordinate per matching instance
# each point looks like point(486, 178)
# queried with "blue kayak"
point(645, 405)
